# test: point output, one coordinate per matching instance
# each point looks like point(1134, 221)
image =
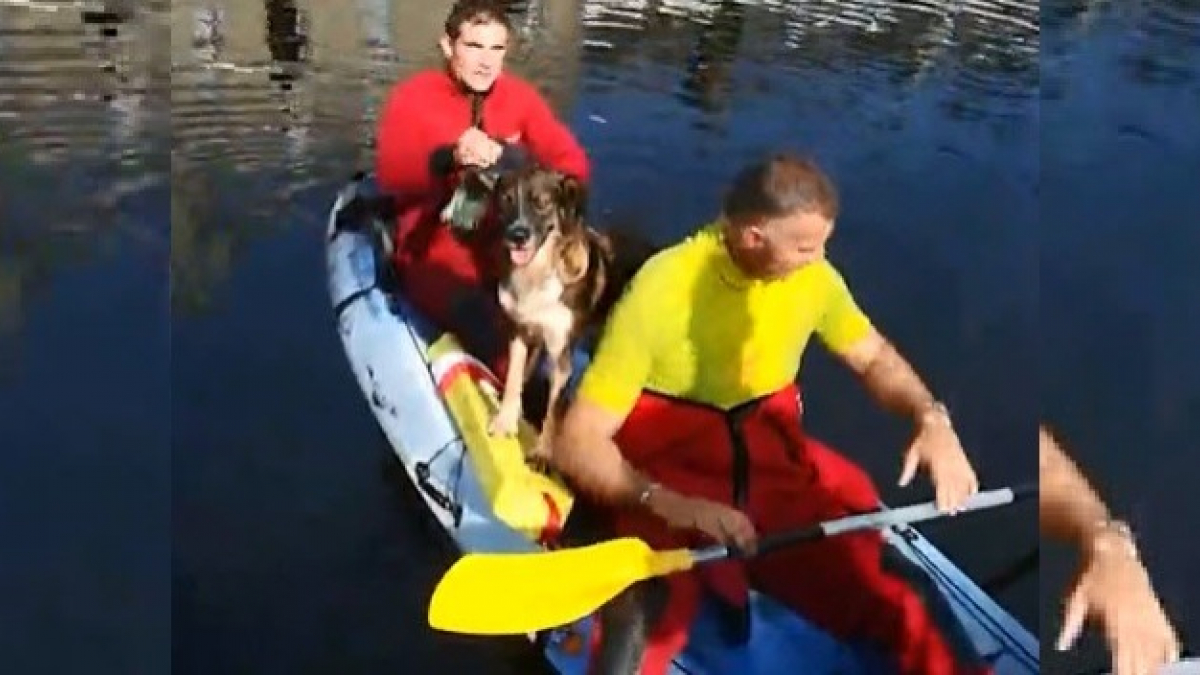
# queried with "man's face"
point(777, 247)
point(476, 56)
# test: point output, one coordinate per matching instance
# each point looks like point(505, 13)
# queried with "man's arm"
point(1113, 586)
point(585, 451)
point(551, 140)
point(1070, 509)
point(405, 146)
point(888, 376)
point(848, 333)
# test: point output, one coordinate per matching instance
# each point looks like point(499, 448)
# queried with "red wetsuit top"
point(423, 118)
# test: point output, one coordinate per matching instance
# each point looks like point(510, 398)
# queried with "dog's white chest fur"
point(532, 297)
point(537, 306)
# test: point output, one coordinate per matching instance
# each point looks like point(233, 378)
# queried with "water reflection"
point(286, 93)
point(83, 120)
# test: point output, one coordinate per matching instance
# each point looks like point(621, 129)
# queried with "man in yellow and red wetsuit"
point(434, 124)
point(687, 424)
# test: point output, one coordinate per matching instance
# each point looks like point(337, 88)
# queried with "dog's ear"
point(501, 183)
point(572, 199)
point(571, 263)
point(504, 191)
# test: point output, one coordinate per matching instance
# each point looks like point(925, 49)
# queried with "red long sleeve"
point(426, 112)
point(551, 141)
point(405, 144)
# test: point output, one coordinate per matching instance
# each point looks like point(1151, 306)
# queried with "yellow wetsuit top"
point(693, 325)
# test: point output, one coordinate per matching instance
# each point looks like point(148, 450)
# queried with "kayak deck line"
point(432, 401)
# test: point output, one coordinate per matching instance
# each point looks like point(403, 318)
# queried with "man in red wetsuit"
point(434, 124)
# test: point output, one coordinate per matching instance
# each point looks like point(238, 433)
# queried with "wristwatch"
point(1122, 531)
point(938, 408)
point(644, 496)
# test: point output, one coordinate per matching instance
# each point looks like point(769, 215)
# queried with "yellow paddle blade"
point(517, 593)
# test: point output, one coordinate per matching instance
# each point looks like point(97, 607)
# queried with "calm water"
point(85, 388)
point(222, 399)
point(1120, 156)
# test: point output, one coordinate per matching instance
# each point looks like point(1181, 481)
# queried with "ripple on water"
point(1164, 43)
point(82, 90)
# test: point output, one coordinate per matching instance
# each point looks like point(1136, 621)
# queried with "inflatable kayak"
point(433, 401)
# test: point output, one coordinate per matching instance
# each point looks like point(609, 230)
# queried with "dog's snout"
point(519, 233)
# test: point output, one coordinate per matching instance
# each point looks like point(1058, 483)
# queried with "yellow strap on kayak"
point(524, 499)
point(514, 594)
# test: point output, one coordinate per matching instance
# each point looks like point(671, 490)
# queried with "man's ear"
point(753, 233)
point(572, 199)
point(446, 45)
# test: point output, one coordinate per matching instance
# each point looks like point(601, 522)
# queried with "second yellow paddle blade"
point(516, 593)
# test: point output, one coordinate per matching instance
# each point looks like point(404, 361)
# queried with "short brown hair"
point(475, 11)
point(780, 185)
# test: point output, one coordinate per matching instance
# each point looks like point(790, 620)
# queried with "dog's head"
point(538, 205)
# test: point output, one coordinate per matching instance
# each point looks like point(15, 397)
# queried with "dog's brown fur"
point(566, 290)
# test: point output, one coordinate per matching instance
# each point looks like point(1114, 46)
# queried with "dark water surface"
point(224, 400)
point(85, 388)
point(1120, 321)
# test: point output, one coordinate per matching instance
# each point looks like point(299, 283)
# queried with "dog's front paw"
point(505, 422)
point(538, 455)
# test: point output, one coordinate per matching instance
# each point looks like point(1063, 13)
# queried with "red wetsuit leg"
point(842, 583)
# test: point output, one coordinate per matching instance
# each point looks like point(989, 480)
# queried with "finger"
point(732, 531)
point(950, 494)
point(951, 491)
point(965, 487)
point(714, 526)
point(736, 530)
point(911, 461)
point(749, 533)
point(1145, 657)
point(1073, 618)
point(972, 482)
point(1166, 649)
point(1151, 658)
point(1128, 662)
point(747, 541)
